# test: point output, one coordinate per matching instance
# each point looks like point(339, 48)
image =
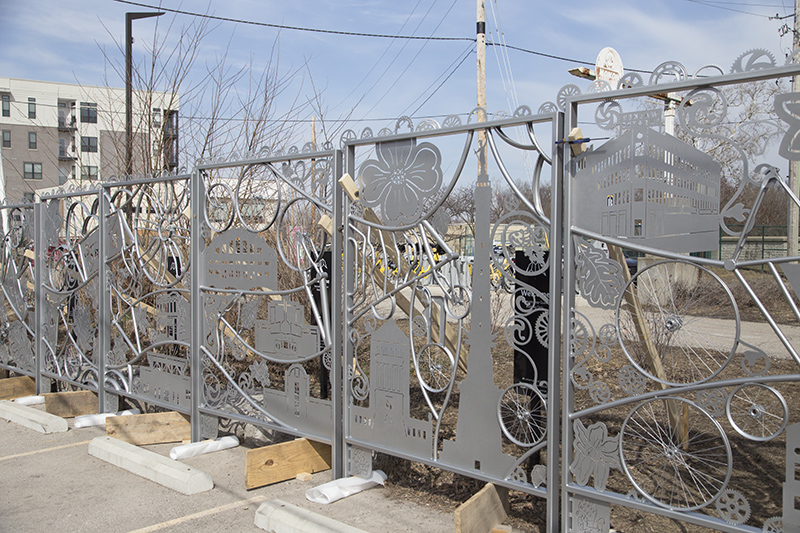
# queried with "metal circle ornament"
point(521, 411)
point(757, 411)
point(607, 115)
point(680, 340)
point(675, 454)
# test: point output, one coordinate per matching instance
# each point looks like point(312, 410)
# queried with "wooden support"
point(279, 462)
point(11, 388)
point(486, 509)
point(3, 373)
point(577, 148)
point(153, 428)
point(678, 412)
point(71, 404)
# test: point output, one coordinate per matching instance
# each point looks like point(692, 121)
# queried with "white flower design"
point(595, 454)
point(400, 179)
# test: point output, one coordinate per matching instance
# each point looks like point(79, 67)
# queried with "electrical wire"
point(709, 4)
point(362, 34)
point(467, 55)
point(298, 28)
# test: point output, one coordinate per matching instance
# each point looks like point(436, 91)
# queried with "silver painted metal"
point(674, 376)
point(199, 293)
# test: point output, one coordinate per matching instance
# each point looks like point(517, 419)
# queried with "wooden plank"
point(279, 462)
point(11, 388)
point(71, 404)
point(152, 428)
point(488, 508)
point(3, 373)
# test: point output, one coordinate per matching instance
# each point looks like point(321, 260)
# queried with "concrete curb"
point(150, 465)
point(277, 516)
point(32, 418)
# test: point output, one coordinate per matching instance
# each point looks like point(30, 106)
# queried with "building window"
point(88, 144)
point(6, 138)
point(31, 108)
point(32, 171)
point(32, 140)
point(28, 197)
point(89, 173)
point(6, 105)
point(156, 117)
point(88, 113)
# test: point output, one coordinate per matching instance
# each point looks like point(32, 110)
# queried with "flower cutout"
point(595, 454)
point(399, 181)
point(260, 372)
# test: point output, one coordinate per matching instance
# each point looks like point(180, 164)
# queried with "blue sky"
point(382, 79)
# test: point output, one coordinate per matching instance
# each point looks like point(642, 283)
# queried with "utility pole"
point(129, 18)
point(483, 176)
point(794, 166)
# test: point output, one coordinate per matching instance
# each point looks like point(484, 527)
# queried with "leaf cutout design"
point(599, 278)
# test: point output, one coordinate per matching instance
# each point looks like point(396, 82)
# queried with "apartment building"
point(56, 132)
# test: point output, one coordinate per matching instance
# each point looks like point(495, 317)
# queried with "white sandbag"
point(85, 421)
point(29, 400)
point(344, 487)
point(199, 448)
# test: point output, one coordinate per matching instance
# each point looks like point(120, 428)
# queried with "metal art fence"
point(430, 357)
point(17, 280)
point(668, 405)
point(313, 293)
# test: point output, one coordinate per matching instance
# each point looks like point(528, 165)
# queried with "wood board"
point(18, 387)
point(279, 462)
point(483, 511)
point(152, 428)
point(70, 404)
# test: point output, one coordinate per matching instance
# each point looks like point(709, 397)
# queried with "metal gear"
point(541, 327)
point(773, 525)
point(755, 59)
point(733, 507)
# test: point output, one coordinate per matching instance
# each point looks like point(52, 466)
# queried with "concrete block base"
point(277, 516)
point(149, 465)
point(32, 418)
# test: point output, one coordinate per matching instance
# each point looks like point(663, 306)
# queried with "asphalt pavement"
point(51, 483)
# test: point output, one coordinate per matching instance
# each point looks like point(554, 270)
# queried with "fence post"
point(103, 307)
point(38, 296)
point(337, 326)
point(196, 302)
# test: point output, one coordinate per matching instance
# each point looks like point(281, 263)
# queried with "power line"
point(468, 54)
point(362, 34)
point(298, 28)
point(710, 4)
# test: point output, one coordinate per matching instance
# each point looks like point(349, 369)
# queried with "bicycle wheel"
point(435, 367)
point(683, 464)
point(161, 235)
point(522, 415)
point(757, 411)
point(677, 322)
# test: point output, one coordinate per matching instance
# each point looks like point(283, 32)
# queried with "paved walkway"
point(51, 483)
point(759, 334)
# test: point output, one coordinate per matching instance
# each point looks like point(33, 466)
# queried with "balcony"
point(64, 155)
point(65, 124)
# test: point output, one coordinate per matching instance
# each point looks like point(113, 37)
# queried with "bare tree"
point(224, 109)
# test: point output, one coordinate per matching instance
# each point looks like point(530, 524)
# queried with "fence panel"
point(672, 407)
point(264, 290)
point(17, 280)
point(68, 247)
point(441, 363)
